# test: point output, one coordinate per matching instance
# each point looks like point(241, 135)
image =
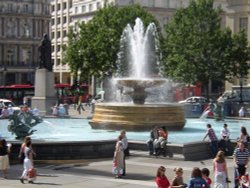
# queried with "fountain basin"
point(134, 117)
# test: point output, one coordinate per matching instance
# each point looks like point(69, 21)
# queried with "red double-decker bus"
point(64, 92)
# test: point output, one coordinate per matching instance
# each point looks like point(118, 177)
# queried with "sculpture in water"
point(45, 54)
point(21, 124)
point(138, 76)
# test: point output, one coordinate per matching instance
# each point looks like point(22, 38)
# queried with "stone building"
point(23, 23)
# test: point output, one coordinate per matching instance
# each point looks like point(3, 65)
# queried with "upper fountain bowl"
point(140, 82)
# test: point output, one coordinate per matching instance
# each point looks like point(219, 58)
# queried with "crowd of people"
point(200, 177)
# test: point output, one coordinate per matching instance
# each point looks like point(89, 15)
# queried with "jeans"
point(214, 147)
point(241, 170)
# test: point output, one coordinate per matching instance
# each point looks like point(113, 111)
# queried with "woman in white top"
point(220, 171)
point(27, 163)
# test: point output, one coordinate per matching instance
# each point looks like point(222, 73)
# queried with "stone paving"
point(97, 173)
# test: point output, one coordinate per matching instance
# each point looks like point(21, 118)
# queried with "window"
point(58, 48)
point(83, 8)
point(98, 5)
point(52, 35)
point(58, 21)
point(58, 34)
point(64, 33)
point(10, 7)
point(53, 22)
point(90, 7)
point(58, 7)
point(243, 24)
point(64, 19)
point(52, 8)
point(10, 57)
point(76, 10)
point(64, 5)
point(26, 8)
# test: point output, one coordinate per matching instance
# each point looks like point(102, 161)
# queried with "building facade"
point(237, 18)
point(23, 24)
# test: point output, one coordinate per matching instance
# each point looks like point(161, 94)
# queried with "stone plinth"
point(116, 116)
point(45, 94)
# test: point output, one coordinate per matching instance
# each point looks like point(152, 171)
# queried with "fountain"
point(139, 72)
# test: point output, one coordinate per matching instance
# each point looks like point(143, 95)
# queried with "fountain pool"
point(57, 130)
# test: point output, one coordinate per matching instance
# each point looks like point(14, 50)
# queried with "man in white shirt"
point(225, 134)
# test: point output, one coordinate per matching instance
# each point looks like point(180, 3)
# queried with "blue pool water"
point(53, 129)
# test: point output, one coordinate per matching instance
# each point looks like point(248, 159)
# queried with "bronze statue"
point(21, 124)
point(45, 54)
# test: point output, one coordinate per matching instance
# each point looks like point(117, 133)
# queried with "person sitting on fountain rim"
point(213, 140)
point(153, 136)
point(224, 141)
point(160, 143)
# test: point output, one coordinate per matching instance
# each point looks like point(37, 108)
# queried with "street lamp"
point(4, 70)
point(241, 88)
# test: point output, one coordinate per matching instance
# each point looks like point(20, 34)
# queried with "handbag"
point(32, 173)
point(115, 169)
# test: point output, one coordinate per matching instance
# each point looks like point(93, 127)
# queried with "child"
point(205, 175)
point(178, 179)
point(161, 179)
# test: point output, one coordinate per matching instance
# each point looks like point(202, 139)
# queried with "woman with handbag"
point(118, 161)
point(29, 173)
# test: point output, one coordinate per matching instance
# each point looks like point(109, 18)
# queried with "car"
point(194, 99)
point(7, 103)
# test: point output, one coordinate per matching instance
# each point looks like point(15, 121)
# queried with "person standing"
point(4, 157)
point(80, 106)
point(242, 112)
point(240, 158)
point(27, 163)
point(220, 170)
point(205, 175)
point(161, 179)
point(178, 179)
point(196, 180)
point(118, 160)
point(125, 149)
point(213, 139)
point(244, 136)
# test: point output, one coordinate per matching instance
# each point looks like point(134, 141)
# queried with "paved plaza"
point(96, 173)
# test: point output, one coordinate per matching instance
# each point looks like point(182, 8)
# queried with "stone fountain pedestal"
point(45, 94)
point(133, 117)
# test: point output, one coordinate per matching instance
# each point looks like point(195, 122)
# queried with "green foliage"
point(94, 49)
point(198, 49)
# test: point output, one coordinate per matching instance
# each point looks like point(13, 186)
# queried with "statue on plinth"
point(21, 123)
point(45, 54)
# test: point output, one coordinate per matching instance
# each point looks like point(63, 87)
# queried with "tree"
point(196, 48)
point(93, 50)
